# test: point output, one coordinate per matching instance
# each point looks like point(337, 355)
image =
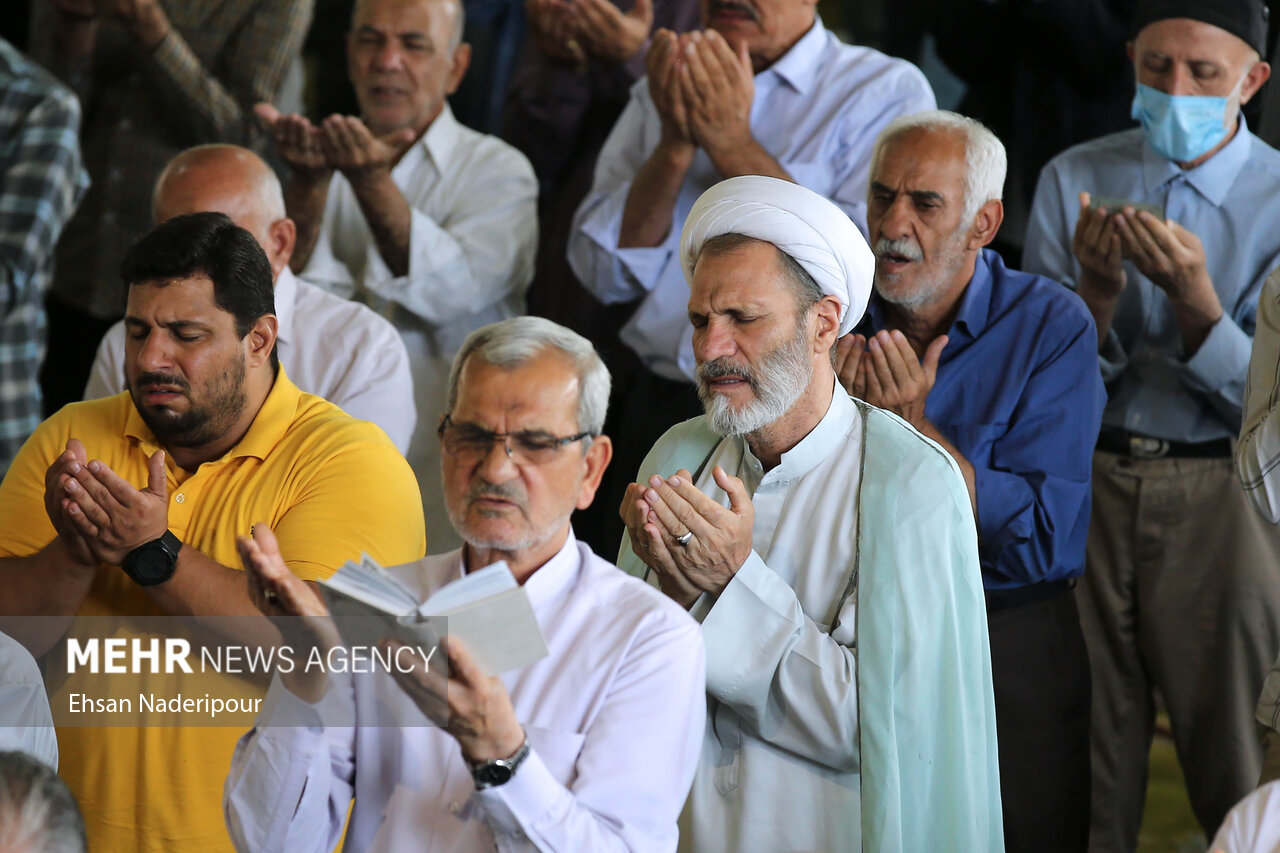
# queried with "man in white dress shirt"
point(828, 551)
point(429, 222)
point(591, 748)
point(329, 346)
point(764, 90)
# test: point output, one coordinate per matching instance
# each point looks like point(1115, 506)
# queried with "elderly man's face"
point(768, 27)
point(401, 61)
point(499, 502)
point(755, 355)
point(185, 364)
point(1180, 56)
point(915, 217)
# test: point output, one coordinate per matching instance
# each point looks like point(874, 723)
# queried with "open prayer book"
point(485, 609)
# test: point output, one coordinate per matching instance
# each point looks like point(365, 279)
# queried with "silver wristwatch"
point(490, 774)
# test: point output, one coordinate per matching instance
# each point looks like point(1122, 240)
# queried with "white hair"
point(985, 158)
point(38, 814)
point(514, 342)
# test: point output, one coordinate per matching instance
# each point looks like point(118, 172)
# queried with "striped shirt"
point(198, 86)
point(41, 182)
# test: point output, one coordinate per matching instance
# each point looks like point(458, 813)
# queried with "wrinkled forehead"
point(541, 393)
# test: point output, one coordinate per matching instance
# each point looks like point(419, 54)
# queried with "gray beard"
point(782, 377)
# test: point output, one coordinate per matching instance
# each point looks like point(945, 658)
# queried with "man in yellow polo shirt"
point(130, 507)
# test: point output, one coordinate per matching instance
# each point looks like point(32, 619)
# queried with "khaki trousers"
point(1181, 595)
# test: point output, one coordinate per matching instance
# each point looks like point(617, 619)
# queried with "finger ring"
point(682, 541)
point(270, 596)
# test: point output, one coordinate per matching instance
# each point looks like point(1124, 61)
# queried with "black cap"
point(1246, 19)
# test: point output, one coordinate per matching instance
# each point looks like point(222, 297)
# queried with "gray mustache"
point(905, 247)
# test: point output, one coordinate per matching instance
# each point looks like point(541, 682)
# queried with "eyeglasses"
point(470, 444)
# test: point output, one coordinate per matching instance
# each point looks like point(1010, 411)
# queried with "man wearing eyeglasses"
point(593, 747)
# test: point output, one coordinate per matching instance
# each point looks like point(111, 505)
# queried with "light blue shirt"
point(1232, 204)
point(817, 111)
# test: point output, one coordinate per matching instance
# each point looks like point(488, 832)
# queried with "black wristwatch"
point(153, 562)
point(490, 774)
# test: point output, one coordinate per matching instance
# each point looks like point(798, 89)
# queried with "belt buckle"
point(1145, 447)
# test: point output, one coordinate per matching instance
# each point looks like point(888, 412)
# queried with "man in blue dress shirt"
point(998, 367)
point(1182, 593)
point(766, 89)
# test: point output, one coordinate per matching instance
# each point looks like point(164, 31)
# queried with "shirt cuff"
point(634, 272)
point(283, 709)
point(734, 631)
point(1223, 358)
point(530, 797)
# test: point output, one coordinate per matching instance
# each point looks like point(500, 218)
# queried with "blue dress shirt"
point(817, 111)
point(1019, 395)
point(1231, 203)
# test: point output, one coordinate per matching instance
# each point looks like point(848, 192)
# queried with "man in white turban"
point(828, 551)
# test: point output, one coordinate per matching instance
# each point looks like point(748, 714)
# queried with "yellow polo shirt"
point(332, 487)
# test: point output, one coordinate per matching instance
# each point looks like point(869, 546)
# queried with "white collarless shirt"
point(614, 715)
point(782, 724)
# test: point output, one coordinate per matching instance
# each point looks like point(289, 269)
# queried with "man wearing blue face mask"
point(1181, 592)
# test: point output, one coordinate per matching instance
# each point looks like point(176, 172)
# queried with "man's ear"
point(461, 61)
point(597, 459)
point(262, 339)
point(986, 223)
point(1257, 75)
point(283, 236)
point(827, 315)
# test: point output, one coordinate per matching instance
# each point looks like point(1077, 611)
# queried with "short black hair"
point(212, 245)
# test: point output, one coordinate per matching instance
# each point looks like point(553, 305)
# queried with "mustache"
point(170, 379)
point(730, 6)
point(723, 368)
point(509, 491)
point(905, 247)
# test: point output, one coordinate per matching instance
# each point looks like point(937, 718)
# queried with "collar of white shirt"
point(550, 579)
point(286, 297)
point(435, 146)
point(822, 441)
point(799, 66)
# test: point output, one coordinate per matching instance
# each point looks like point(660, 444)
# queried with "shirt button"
point(180, 498)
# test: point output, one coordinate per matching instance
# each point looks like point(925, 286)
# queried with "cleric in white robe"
point(829, 552)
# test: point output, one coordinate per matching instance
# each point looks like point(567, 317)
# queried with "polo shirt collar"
point(268, 427)
point(1213, 178)
point(286, 297)
point(799, 66)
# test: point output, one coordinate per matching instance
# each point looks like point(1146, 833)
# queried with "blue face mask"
point(1182, 127)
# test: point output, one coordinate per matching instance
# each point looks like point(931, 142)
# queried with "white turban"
point(805, 225)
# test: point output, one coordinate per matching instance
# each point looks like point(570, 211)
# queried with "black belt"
point(1004, 599)
point(1125, 443)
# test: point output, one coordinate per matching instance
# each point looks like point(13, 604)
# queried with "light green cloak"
point(930, 778)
